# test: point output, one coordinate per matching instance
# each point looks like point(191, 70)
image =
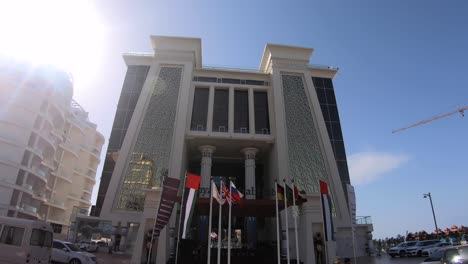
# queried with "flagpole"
point(180, 218)
point(219, 224)
point(278, 241)
point(209, 224)
point(229, 222)
point(295, 222)
point(286, 216)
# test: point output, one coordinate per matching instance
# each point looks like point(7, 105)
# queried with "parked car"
point(25, 241)
point(417, 249)
point(89, 246)
point(435, 257)
point(66, 252)
point(399, 250)
point(428, 251)
point(455, 255)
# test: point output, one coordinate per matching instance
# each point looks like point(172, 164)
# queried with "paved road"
point(105, 258)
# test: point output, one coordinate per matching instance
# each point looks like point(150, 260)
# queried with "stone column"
point(249, 172)
point(207, 152)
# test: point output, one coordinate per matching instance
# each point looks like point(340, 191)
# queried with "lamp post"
point(425, 195)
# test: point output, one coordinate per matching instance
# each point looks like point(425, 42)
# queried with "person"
point(318, 248)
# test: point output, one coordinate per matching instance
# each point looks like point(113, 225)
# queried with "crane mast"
point(459, 110)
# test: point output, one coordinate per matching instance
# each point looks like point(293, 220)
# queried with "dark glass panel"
point(241, 112)
point(228, 80)
point(122, 137)
point(329, 129)
point(340, 151)
point(140, 80)
point(327, 83)
point(321, 95)
point(114, 140)
point(119, 118)
point(142, 70)
point(318, 82)
point(336, 131)
point(333, 110)
point(129, 83)
point(132, 69)
point(133, 100)
point(254, 82)
point(123, 101)
point(325, 114)
point(221, 110)
point(200, 109)
point(330, 96)
point(128, 118)
point(262, 122)
point(343, 170)
point(207, 79)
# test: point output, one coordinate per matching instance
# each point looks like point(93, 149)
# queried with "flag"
point(236, 194)
point(298, 196)
point(326, 211)
point(280, 192)
point(289, 194)
point(215, 194)
point(192, 182)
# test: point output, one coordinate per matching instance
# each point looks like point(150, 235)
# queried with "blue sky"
point(400, 62)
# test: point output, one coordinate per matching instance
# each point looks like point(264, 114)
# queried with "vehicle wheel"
point(75, 261)
point(402, 254)
point(419, 253)
point(391, 255)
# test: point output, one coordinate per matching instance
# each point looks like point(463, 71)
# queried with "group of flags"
point(229, 193)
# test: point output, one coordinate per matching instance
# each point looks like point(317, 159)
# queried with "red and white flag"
point(327, 211)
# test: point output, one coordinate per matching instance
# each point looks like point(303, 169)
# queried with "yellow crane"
point(459, 110)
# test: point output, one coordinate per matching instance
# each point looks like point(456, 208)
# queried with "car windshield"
point(401, 245)
point(411, 244)
point(419, 244)
point(72, 247)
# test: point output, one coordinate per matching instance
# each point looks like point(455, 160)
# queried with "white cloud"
point(366, 167)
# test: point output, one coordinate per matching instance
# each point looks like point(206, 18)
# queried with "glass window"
point(330, 97)
point(336, 131)
point(241, 112)
point(129, 82)
point(119, 118)
point(340, 151)
point(57, 245)
point(207, 79)
point(57, 228)
point(327, 83)
point(123, 101)
point(200, 109)
point(321, 95)
point(325, 114)
point(221, 110)
point(12, 235)
point(133, 100)
point(128, 118)
point(114, 140)
point(333, 110)
point(228, 80)
point(262, 122)
point(41, 238)
point(318, 82)
point(254, 82)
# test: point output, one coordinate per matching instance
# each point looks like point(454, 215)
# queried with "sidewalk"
point(106, 258)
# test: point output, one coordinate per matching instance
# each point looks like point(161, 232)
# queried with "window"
point(241, 112)
point(41, 238)
point(221, 110)
point(57, 228)
point(262, 122)
point(57, 245)
point(12, 235)
point(200, 109)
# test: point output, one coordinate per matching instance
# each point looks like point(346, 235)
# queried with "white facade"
point(292, 143)
point(49, 151)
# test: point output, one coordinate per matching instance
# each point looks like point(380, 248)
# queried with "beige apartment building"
point(49, 150)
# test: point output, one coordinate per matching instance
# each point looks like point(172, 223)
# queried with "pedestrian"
point(318, 247)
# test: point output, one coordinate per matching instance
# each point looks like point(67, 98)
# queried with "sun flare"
point(65, 33)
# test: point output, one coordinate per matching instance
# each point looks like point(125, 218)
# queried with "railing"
point(363, 220)
point(29, 208)
point(220, 67)
point(53, 201)
point(28, 187)
point(39, 172)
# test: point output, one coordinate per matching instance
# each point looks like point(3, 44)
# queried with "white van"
point(25, 241)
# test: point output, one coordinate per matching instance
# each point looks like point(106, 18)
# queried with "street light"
point(425, 195)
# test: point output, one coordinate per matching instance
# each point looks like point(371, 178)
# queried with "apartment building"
point(49, 150)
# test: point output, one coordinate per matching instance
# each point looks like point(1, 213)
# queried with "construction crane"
point(459, 110)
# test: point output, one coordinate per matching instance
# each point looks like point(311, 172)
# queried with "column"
point(249, 172)
point(206, 151)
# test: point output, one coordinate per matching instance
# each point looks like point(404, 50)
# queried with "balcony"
point(87, 175)
point(70, 147)
point(27, 209)
point(78, 198)
point(88, 190)
point(39, 196)
point(61, 174)
point(38, 172)
point(56, 204)
point(28, 187)
point(51, 164)
point(363, 220)
point(58, 220)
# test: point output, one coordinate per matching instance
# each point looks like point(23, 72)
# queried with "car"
point(417, 249)
point(89, 246)
point(455, 255)
point(399, 250)
point(428, 251)
point(66, 252)
point(435, 257)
